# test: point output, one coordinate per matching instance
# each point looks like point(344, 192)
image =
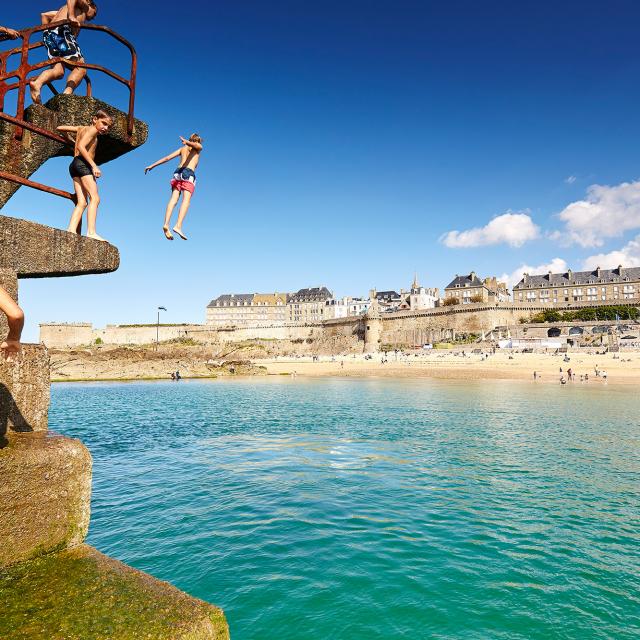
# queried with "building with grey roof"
point(599, 285)
point(247, 309)
point(310, 305)
point(470, 288)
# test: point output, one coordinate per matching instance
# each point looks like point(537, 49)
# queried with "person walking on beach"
point(62, 42)
point(535, 375)
point(183, 181)
point(10, 346)
point(84, 171)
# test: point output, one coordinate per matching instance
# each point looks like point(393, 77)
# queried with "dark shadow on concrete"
point(10, 414)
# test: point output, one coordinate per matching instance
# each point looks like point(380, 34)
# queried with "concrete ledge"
point(36, 251)
point(45, 496)
point(80, 594)
point(24, 392)
point(78, 110)
point(24, 157)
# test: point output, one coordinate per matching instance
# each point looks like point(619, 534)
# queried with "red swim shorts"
point(183, 185)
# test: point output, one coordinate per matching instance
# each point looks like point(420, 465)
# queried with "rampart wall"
point(61, 336)
point(402, 328)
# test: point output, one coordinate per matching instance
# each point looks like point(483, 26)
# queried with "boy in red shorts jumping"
point(183, 181)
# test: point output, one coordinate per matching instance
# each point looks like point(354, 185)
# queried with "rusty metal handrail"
point(24, 68)
point(37, 185)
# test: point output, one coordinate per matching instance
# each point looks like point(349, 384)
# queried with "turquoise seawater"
point(366, 509)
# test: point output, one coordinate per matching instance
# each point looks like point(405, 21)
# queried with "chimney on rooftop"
point(620, 270)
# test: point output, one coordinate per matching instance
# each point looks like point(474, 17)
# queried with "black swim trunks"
point(79, 168)
point(61, 43)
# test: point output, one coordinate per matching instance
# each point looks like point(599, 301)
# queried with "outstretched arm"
point(9, 33)
point(171, 156)
point(67, 130)
point(194, 145)
point(15, 317)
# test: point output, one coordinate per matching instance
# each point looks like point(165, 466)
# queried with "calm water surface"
point(365, 509)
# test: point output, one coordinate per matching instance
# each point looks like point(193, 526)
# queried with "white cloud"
point(513, 229)
point(606, 212)
point(570, 179)
point(557, 265)
point(628, 256)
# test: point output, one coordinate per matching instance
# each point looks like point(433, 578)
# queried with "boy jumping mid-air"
point(183, 181)
point(61, 42)
point(84, 171)
point(10, 346)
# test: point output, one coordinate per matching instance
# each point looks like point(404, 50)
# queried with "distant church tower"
point(415, 287)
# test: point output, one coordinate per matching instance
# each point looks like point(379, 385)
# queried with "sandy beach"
point(619, 368)
point(136, 363)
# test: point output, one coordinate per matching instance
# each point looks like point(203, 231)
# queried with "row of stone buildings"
point(310, 305)
point(316, 304)
point(616, 286)
point(562, 289)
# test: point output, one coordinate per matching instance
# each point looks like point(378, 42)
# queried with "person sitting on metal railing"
point(10, 346)
point(8, 34)
point(61, 42)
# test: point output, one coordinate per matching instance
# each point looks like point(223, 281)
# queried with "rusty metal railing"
point(24, 69)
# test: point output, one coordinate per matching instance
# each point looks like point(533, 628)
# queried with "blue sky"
point(343, 140)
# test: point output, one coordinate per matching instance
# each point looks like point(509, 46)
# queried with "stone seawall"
point(403, 328)
point(67, 335)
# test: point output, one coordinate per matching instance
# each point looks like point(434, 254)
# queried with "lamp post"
point(158, 326)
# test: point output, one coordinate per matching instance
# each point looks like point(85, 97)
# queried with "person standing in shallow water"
point(183, 181)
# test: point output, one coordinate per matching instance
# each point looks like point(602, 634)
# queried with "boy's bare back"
point(189, 157)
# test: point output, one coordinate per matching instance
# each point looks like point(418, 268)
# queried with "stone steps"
point(24, 157)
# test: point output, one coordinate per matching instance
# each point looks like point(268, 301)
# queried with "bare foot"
point(70, 230)
point(95, 236)
point(35, 92)
point(179, 232)
point(167, 233)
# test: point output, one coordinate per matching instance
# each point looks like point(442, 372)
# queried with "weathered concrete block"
point(36, 251)
point(24, 392)
point(45, 496)
point(80, 594)
point(23, 157)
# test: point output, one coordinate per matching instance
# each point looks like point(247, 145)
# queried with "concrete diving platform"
point(33, 250)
